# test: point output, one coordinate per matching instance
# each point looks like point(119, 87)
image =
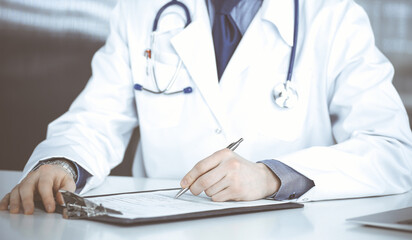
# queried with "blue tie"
point(226, 35)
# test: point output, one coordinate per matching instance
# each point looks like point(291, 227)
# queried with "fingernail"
point(28, 212)
point(183, 183)
point(49, 208)
point(14, 210)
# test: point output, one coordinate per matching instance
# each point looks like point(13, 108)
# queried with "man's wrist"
point(272, 182)
point(67, 165)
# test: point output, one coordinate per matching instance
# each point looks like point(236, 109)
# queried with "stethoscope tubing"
point(295, 40)
point(189, 20)
point(285, 87)
point(151, 56)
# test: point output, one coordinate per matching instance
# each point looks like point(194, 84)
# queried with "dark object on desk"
point(400, 219)
point(408, 222)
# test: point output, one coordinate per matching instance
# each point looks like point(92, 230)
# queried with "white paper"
point(163, 203)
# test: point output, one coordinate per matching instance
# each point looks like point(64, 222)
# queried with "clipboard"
point(91, 208)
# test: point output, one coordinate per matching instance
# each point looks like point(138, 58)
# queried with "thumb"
point(68, 185)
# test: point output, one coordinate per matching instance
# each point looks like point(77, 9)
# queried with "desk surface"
point(317, 220)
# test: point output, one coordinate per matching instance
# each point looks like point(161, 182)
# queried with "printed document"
point(162, 203)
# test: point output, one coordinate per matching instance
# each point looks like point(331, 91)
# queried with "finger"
point(204, 166)
point(4, 203)
point(15, 200)
point(218, 187)
point(26, 194)
point(68, 185)
point(45, 189)
point(208, 179)
point(225, 195)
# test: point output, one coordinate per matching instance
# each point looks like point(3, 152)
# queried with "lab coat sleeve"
point(373, 152)
point(95, 131)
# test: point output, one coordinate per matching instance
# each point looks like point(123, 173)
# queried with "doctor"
point(343, 134)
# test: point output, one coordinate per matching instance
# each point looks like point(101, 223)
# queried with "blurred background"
point(46, 47)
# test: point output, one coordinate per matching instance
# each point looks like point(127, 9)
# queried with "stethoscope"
point(284, 94)
point(151, 56)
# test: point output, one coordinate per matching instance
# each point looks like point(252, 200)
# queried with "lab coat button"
point(292, 196)
point(218, 131)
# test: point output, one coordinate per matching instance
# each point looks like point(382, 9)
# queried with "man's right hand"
point(43, 183)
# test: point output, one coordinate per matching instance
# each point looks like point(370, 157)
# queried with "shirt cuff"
point(82, 176)
point(292, 183)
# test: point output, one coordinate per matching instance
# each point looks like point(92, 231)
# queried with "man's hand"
point(44, 183)
point(226, 176)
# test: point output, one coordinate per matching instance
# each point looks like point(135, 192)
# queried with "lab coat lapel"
point(281, 14)
point(194, 45)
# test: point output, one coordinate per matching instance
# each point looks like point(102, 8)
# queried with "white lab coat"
point(349, 132)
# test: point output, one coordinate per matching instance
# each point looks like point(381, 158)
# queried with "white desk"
point(317, 220)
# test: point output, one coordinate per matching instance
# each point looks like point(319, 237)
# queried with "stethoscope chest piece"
point(285, 95)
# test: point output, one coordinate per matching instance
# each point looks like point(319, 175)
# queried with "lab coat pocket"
point(162, 110)
point(165, 67)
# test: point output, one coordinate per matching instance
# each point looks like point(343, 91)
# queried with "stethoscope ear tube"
point(161, 10)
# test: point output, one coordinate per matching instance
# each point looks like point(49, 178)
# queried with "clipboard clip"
point(77, 207)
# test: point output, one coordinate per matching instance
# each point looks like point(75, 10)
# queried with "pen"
point(231, 146)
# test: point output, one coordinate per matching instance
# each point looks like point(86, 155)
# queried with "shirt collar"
point(281, 14)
